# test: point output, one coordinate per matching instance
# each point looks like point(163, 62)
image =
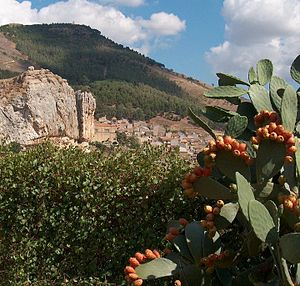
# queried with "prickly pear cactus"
point(249, 179)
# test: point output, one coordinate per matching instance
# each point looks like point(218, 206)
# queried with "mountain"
point(124, 82)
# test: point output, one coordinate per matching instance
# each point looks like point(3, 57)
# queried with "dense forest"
point(124, 82)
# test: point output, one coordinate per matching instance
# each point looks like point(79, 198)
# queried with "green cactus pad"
point(269, 159)
point(245, 194)
point(227, 79)
point(180, 244)
point(253, 244)
point(262, 222)
point(236, 126)
point(201, 123)
point(297, 155)
point(260, 98)
point(289, 244)
point(194, 234)
point(193, 275)
point(264, 70)
point(266, 190)
point(211, 245)
point(277, 87)
point(252, 76)
point(289, 108)
point(227, 215)
point(295, 69)
point(157, 268)
point(247, 109)
point(217, 114)
point(228, 164)
point(212, 189)
point(273, 211)
point(225, 276)
point(225, 91)
point(290, 218)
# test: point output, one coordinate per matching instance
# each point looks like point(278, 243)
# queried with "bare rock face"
point(39, 104)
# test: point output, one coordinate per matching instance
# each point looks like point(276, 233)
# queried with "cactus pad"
point(289, 108)
point(260, 98)
point(225, 91)
point(264, 70)
point(295, 69)
point(289, 244)
point(236, 126)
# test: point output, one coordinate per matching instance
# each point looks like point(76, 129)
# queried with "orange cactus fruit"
point(173, 230)
point(242, 147)
point(228, 139)
point(220, 145)
point(280, 139)
point(198, 171)
point(140, 257)
point(288, 204)
point(293, 199)
point(156, 253)
point(208, 209)
point(133, 262)
point(192, 178)
point(273, 136)
point(254, 140)
point(206, 172)
point(216, 211)
point(133, 276)
point(149, 254)
point(236, 153)
point(279, 129)
point(170, 236)
point(210, 217)
point(235, 144)
point(129, 269)
point(272, 126)
point(288, 159)
point(291, 150)
point(183, 221)
point(186, 185)
point(220, 203)
point(291, 141)
point(287, 135)
point(138, 282)
point(204, 261)
point(227, 147)
point(189, 192)
point(177, 283)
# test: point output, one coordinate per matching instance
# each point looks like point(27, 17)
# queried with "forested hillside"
point(84, 57)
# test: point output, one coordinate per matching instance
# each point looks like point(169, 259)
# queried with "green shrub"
point(70, 214)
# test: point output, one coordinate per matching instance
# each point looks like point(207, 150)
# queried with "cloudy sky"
point(195, 37)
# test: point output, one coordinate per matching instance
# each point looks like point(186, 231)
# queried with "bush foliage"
point(70, 215)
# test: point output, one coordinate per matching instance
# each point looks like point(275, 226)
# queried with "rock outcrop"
point(39, 104)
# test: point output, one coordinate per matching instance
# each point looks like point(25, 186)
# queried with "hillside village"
point(189, 140)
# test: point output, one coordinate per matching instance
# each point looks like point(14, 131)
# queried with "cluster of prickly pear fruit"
point(173, 232)
point(290, 202)
point(274, 131)
point(213, 258)
point(135, 261)
point(211, 213)
point(225, 143)
point(191, 178)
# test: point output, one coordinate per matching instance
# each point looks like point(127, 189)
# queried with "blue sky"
point(194, 37)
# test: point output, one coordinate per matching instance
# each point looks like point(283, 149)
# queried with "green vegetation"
point(70, 215)
point(7, 74)
point(131, 86)
point(251, 232)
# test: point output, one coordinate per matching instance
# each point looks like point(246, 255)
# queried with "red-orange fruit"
point(186, 185)
point(236, 153)
point(129, 269)
point(254, 140)
point(280, 138)
point(288, 159)
point(174, 230)
point(206, 172)
point(287, 135)
point(227, 147)
point(192, 178)
point(170, 236)
point(177, 283)
point(198, 171)
point(242, 147)
point(216, 211)
point(288, 204)
point(265, 133)
point(279, 129)
point(273, 136)
point(133, 262)
point(140, 257)
point(149, 254)
point(272, 127)
point(156, 253)
point(291, 141)
point(292, 150)
point(228, 139)
point(138, 282)
point(212, 257)
point(210, 217)
point(204, 261)
point(249, 161)
point(220, 203)
point(212, 156)
point(183, 221)
point(133, 276)
point(281, 180)
point(208, 209)
point(235, 144)
point(273, 116)
point(203, 223)
point(189, 193)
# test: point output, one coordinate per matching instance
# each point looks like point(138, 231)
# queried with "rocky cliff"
point(39, 104)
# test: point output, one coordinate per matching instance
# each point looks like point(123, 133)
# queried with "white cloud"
point(137, 33)
point(257, 29)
